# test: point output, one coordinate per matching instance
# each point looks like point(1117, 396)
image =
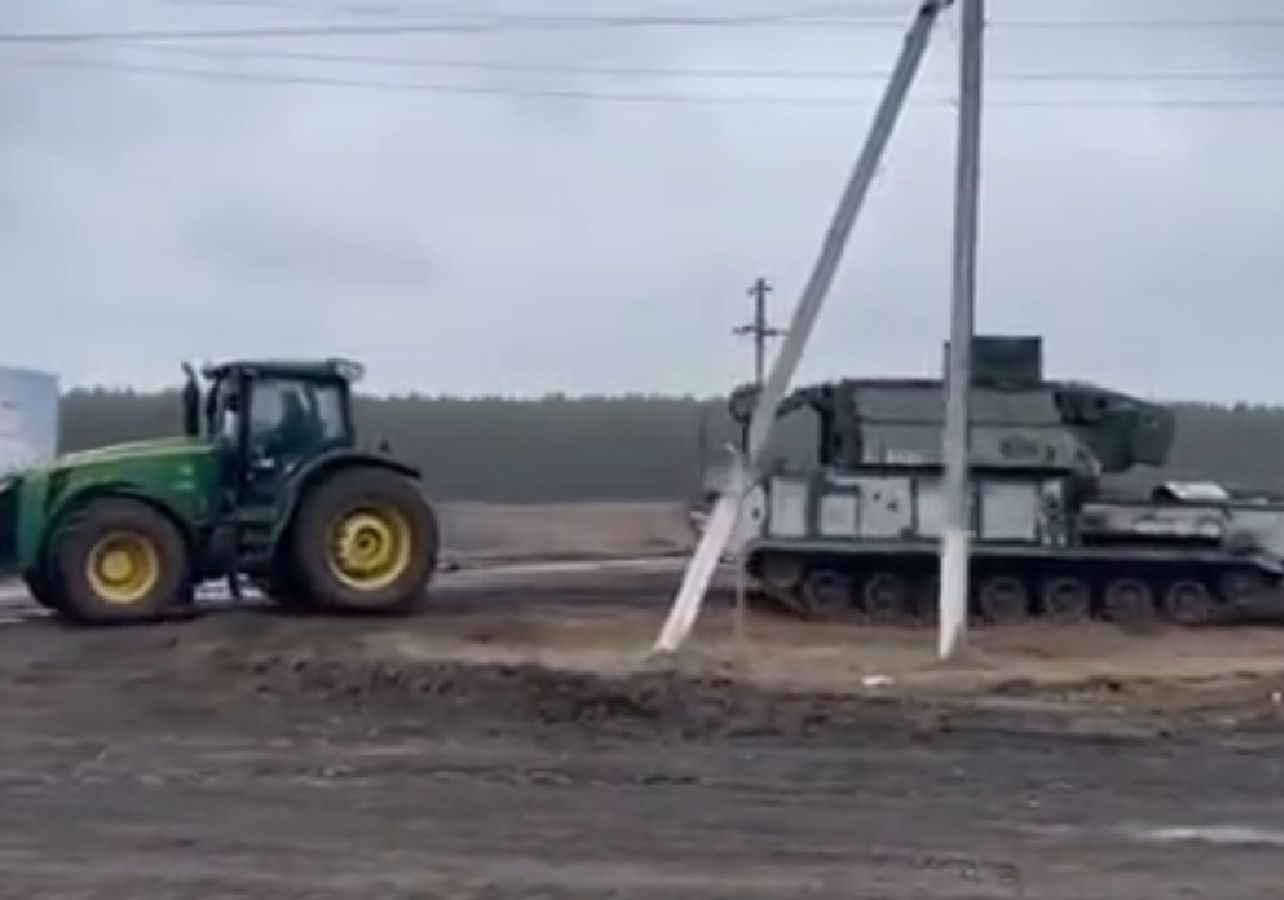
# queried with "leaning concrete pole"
point(726, 513)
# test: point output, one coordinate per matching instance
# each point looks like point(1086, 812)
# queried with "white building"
point(28, 417)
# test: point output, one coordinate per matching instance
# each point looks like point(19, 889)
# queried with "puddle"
point(1224, 835)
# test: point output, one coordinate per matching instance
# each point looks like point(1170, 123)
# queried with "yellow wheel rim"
point(122, 567)
point(370, 548)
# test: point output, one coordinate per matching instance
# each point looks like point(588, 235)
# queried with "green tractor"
point(267, 484)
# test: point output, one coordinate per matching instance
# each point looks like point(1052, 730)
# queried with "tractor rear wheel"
point(116, 561)
point(282, 588)
point(363, 540)
point(38, 587)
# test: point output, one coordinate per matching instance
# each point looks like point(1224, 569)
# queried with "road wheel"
point(887, 598)
point(1188, 601)
point(117, 561)
point(780, 578)
point(1065, 599)
point(1129, 601)
point(827, 596)
point(363, 540)
point(1243, 586)
point(780, 573)
point(1003, 600)
point(925, 601)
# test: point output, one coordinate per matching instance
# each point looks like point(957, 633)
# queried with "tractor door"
point(291, 421)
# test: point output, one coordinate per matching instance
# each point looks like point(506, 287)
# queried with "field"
point(518, 740)
point(492, 533)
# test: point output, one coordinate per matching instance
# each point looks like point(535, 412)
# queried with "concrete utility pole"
point(956, 534)
point(759, 329)
point(722, 520)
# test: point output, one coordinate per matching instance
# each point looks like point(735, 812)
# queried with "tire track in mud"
point(508, 582)
point(341, 777)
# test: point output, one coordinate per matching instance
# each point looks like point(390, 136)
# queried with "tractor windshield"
point(291, 417)
point(287, 416)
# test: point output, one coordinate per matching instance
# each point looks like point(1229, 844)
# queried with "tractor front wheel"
point(363, 540)
point(116, 561)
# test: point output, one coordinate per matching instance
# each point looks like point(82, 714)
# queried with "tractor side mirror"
point(191, 403)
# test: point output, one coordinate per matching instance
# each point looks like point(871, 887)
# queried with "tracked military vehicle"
point(853, 531)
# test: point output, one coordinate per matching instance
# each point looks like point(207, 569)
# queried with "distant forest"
point(558, 449)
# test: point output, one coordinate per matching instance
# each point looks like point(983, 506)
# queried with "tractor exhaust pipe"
point(191, 403)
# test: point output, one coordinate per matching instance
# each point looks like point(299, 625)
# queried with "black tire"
point(344, 495)
point(157, 557)
point(281, 587)
point(39, 588)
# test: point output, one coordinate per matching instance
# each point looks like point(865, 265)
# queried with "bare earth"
point(489, 532)
point(515, 740)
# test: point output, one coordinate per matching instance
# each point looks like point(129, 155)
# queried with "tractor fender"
point(317, 470)
point(68, 504)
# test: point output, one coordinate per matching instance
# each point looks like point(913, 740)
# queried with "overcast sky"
point(480, 243)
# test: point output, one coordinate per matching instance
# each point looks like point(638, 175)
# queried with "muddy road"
point(512, 742)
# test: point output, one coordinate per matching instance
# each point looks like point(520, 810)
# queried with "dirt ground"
point(515, 740)
point(491, 532)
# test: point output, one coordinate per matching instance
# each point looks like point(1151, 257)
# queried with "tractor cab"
point(268, 418)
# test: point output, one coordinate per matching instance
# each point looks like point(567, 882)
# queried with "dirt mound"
point(454, 696)
point(528, 694)
point(495, 661)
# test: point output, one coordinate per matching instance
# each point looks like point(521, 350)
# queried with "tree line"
point(561, 449)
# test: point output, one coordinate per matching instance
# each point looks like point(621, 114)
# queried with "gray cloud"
point(475, 243)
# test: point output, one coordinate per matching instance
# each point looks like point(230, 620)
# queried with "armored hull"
point(854, 533)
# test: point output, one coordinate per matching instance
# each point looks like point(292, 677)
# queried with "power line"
point(624, 98)
point(1140, 24)
point(881, 20)
point(1159, 103)
point(510, 23)
point(660, 72)
point(385, 9)
point(327, 81)
point(453, 25)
